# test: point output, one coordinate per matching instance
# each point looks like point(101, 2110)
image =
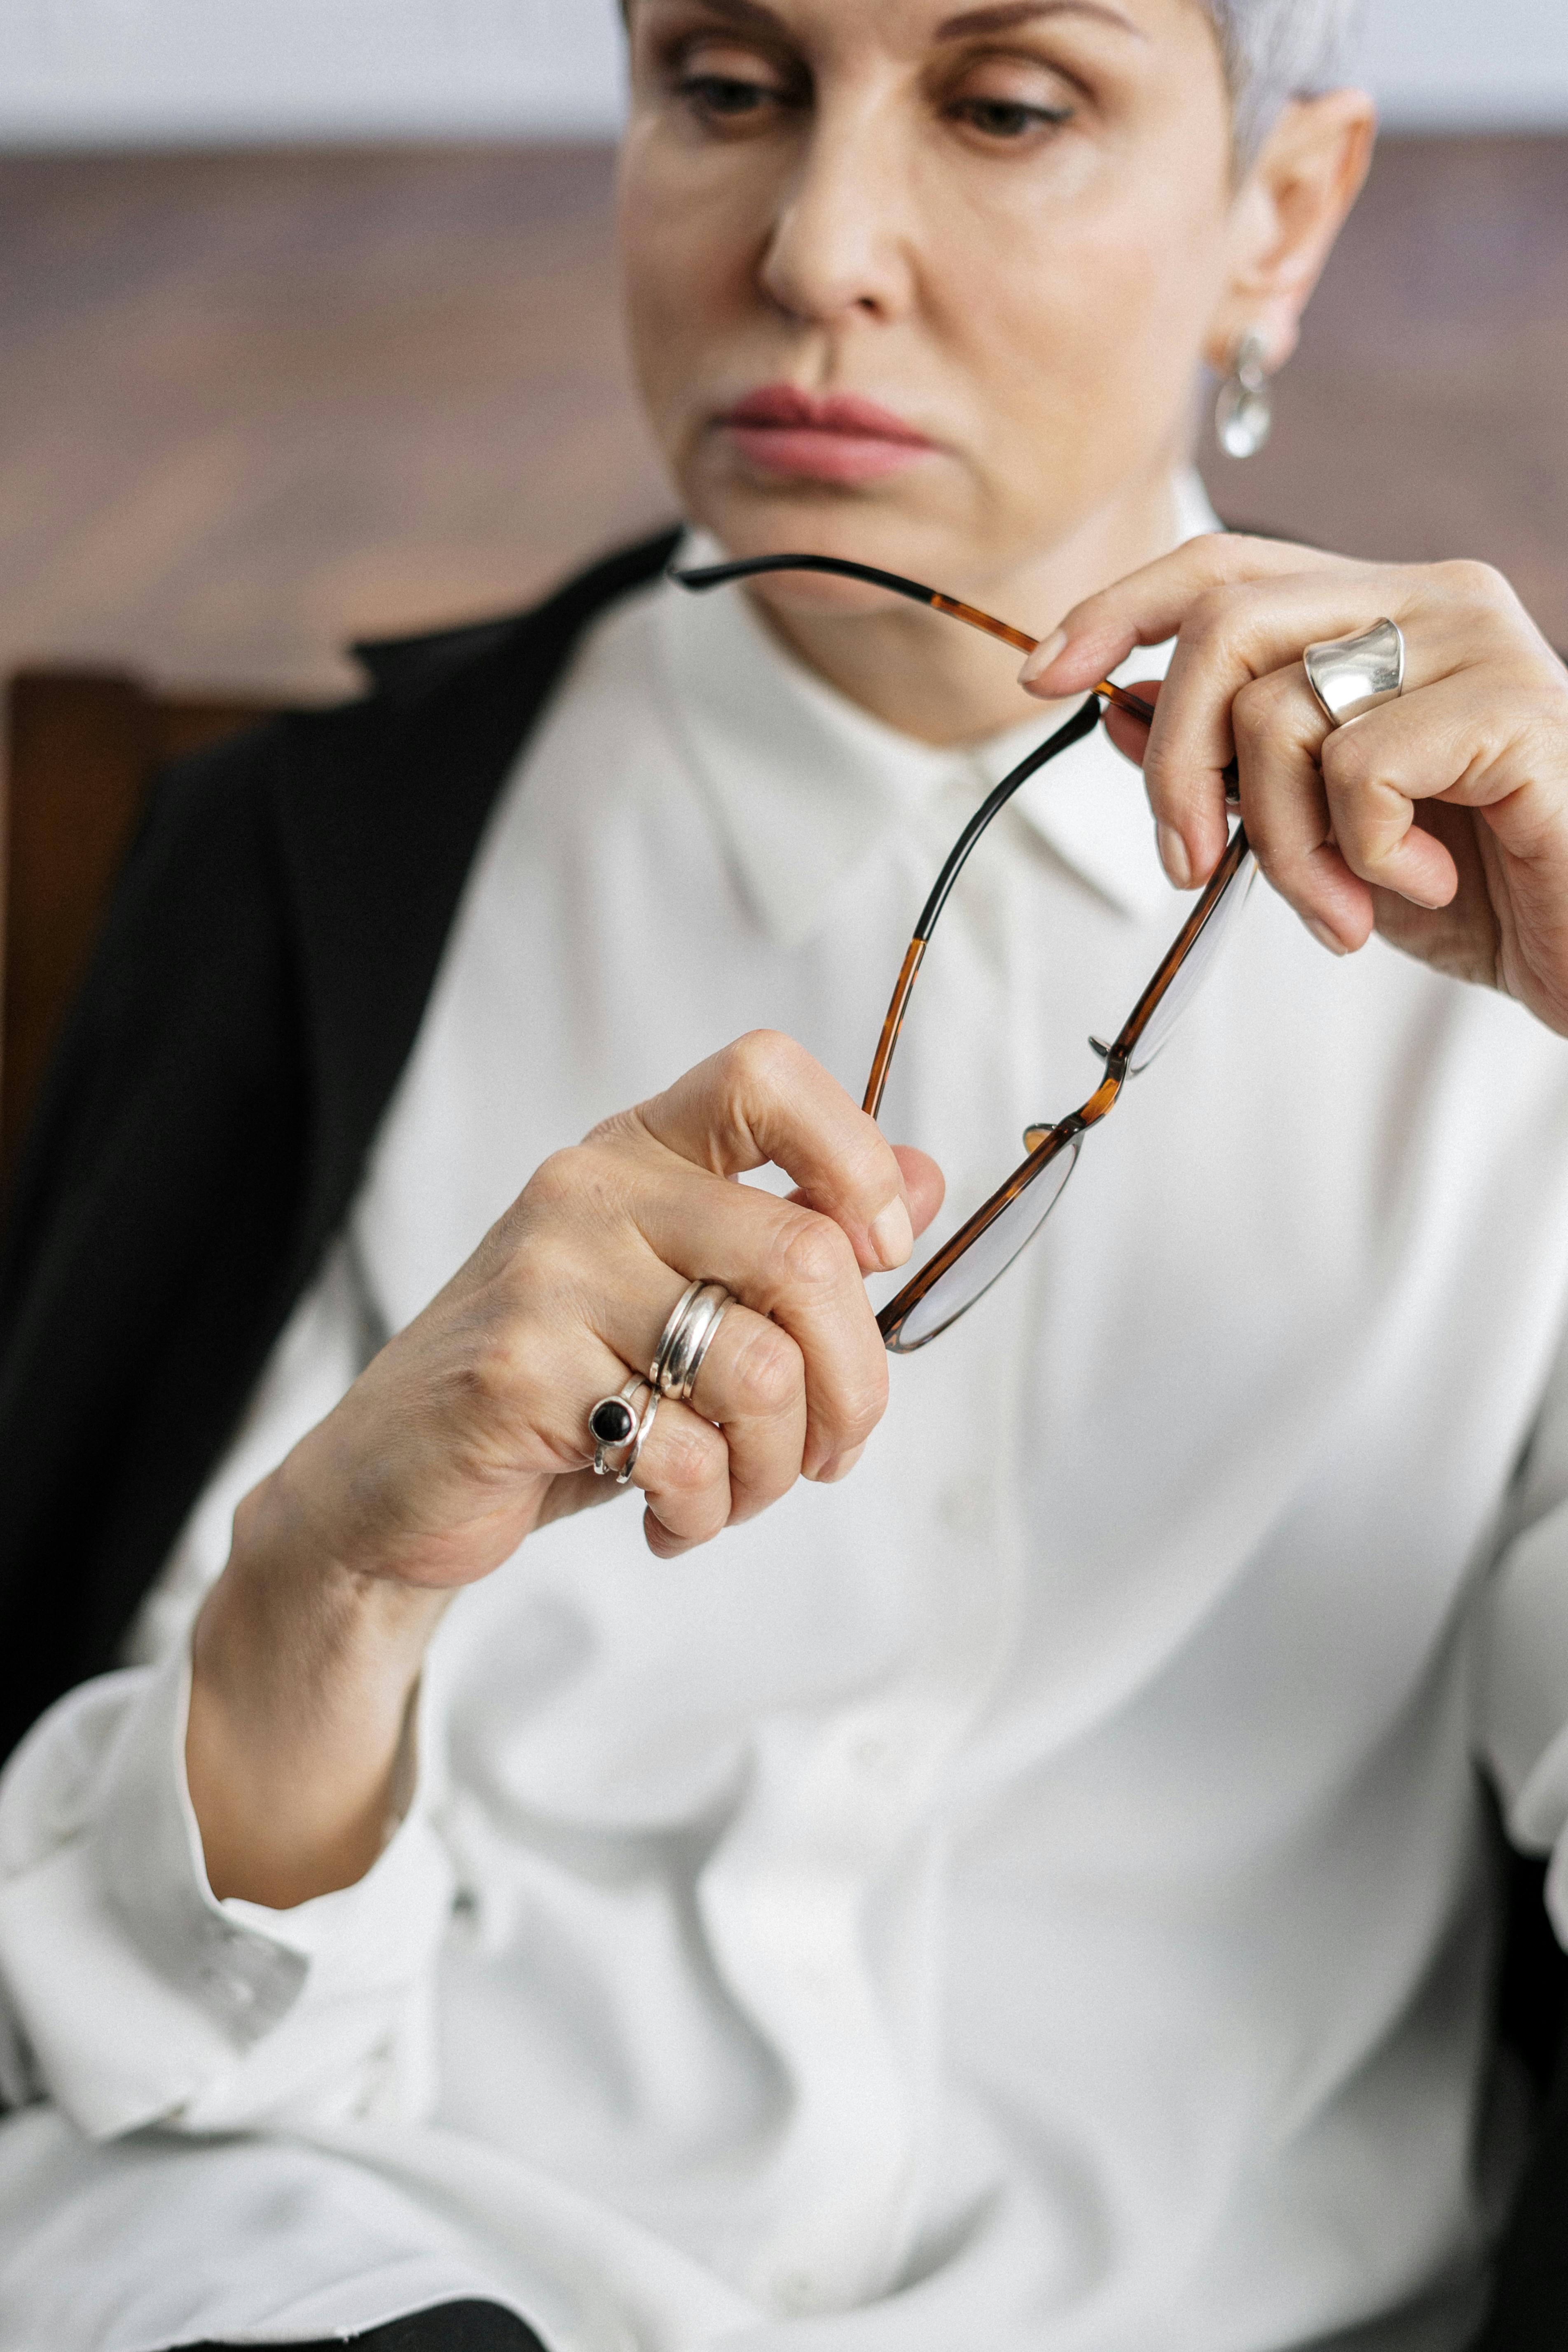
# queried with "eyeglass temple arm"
point(714, 575)
point(1084, 720)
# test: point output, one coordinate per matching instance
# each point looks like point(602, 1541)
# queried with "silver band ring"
point(704, 1341)
point(687, 1336)
point(671, 1326)
point(1349, 675)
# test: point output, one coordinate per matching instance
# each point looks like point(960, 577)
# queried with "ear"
point(1285, 217)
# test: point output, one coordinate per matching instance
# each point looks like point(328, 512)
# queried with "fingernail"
point(841, 1467)
point(1324, 937)
point(893, 1235)
point(1042, 657)
point(1173, 855)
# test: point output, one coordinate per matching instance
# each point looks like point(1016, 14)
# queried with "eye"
point(725, 85)
point(724, 96)
point(1006, 117)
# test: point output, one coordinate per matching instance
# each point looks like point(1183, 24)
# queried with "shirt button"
point(229, 1987)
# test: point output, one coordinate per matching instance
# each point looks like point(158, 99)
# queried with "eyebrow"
point(750, 14)
point(1013, 13)
point(1003, 18)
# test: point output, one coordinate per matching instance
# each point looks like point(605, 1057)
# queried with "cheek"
point(1088, 328)
point(686, 263)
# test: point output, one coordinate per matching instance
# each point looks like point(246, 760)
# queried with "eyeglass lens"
point(994, 1250)
point(1193, 969)
point(987, 1258)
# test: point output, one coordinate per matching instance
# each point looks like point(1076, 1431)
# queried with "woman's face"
point(922, 285)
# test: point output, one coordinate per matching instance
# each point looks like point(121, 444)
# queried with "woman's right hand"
point(469, 1429)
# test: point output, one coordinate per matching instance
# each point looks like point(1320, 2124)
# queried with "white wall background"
point(89, 72)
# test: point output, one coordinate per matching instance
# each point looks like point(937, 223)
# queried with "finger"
point(788, 1262)
point(765, 1099)
point(1240, 609)
point(1458, 618)
point(683, 1466)
point(753, 1379)
point(924, 1182)
point(1150, 605)
point(697, 1478)
point(925, 1186)
point(1279, 731)
point(683, 1471)
point(752, 1383)
point(1130, 735)
point(1285, 805)
point(1463, 938)
point(1380, 767)
point(1230, 639)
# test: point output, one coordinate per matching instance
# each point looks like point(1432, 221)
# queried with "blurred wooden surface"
point(252, 405)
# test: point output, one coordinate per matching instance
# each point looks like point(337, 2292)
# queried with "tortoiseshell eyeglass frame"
point(1043, 1143)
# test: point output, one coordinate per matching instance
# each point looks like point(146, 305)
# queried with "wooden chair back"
point(81, 748)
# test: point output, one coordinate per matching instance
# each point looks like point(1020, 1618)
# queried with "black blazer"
point(204, 1122)
point(203, 1127)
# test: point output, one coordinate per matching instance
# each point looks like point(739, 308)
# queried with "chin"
point(884, 523)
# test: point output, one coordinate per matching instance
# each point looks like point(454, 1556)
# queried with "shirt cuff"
point(145, 1999)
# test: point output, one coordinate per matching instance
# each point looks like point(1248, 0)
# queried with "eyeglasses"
point(983, 1249)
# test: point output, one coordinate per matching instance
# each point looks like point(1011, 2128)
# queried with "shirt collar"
point(801, 782)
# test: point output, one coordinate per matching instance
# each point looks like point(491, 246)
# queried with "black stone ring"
point(614, 1422)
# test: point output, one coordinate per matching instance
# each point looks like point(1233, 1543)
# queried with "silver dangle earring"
point(1244, 413)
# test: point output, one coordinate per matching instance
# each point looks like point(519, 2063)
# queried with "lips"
point(837, 438)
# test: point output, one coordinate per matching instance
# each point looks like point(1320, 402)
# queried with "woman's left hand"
point(1439, 819)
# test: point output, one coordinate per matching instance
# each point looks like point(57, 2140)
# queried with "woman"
point(1036, 1892)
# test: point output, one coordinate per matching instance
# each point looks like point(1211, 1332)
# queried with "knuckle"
point(1345, 763)
point(1214, 613)
point(863, 1406)
point(814, 1254)
point(1471, 581)
point(769, 1371)
point(564, 1181)
point(485, 1376)
point(762, 1057)
point(1255, 708)
point(690, 1458)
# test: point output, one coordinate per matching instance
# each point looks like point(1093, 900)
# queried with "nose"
point(842, 242)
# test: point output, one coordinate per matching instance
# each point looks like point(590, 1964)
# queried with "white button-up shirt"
point(1033, 1894)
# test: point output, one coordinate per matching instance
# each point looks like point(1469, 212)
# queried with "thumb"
point(925, 1183)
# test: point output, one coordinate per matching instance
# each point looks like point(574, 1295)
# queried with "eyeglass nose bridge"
point(1079, 1122)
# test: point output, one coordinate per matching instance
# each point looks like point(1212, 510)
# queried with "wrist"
point(288, 1599)
point(303, 1672)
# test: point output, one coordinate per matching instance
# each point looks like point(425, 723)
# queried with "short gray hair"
point(1275, 50)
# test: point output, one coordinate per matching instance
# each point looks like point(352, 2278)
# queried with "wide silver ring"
point(1349, 675)
point(687, 1334)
